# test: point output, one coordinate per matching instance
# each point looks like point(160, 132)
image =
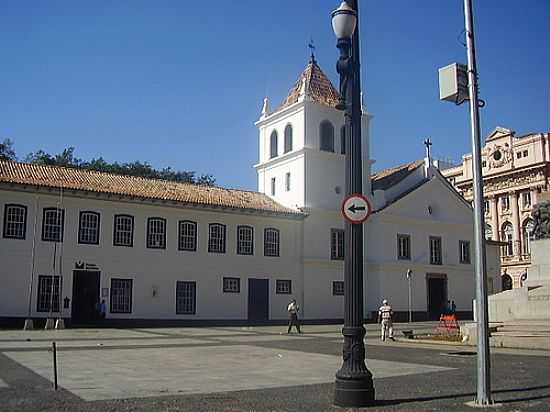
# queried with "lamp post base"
point(354, 392)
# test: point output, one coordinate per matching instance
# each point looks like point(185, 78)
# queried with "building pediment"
point(498, 133)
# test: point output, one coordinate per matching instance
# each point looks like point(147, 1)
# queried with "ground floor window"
point(338, 288)
point(283, 287)
point(186, 297)
point(121, 295)
point(48, 293)
point(231, 285)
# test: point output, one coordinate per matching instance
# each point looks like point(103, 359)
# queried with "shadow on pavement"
point(389, 402)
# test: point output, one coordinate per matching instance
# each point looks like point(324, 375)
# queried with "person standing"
point(102, 309)
point(385, 314)
point(293, 316)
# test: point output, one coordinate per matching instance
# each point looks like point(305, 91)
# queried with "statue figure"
point(541, 216)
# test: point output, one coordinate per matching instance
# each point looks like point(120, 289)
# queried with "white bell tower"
point(301, 147)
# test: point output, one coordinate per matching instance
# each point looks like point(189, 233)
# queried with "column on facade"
point(515, 221)
point(534, 196)
point(493, 210)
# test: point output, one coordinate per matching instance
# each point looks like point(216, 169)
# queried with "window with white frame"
point(272, 186)
point(326, 131)
point(526, 199)
point(337, 244)
point(245, 240)
point(186, 295)
point(15, 221)
point(48, 293)
point(52, 224)
point(231, 285)
point(527, 235)
point(121, 296)
point(156, 233)
point(271, 242)
point(287, 181)
point(343, 140)
point(273, 143)
point(403, 247)
point(505, 203)
point(187, 235)
point(123, 230)
point(216, 238)
point(508, 237)
point(288, 138)
point(464, 250)
point(338, 288)
point(88, 228)
point(435, 250)
point(283, 286)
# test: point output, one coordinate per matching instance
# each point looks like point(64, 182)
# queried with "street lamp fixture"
point(354, 386)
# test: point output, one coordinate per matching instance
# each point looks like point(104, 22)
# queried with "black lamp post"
point(354, 386)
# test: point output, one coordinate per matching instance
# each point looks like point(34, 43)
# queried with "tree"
point(6, 150)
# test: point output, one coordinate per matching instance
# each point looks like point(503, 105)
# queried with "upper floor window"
point(245, 240)
point(52, 224)
point(123, 230)
point(486, 207)
point(272, 186)
point(488, 231)
point(525, 153)
point(15, 221)
point(505, 202)
point(336, 244)
point(287, 182)
point(327, 136)
point(403, 247)
point(187, 236)
point(216, 238)
point(435, 250)
point(343, 140)
point(526, 199)
point(271, 242)
point(273, 142)
point(527, 235)
point(464, 250)
point(156, 233)
point(88, 228)
point(508, 237)
point(288, 138)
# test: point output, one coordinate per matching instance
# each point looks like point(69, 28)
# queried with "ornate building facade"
point(516, 169)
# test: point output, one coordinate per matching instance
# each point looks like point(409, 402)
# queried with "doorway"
point(258, 299)
point(437, 295)
point(85, 296)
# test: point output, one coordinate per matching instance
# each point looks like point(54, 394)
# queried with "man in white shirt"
point(385, 314)
point(293, 309)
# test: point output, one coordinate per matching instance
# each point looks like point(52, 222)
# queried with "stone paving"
point(246, 369)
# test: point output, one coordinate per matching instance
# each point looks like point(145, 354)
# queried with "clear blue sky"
point(180, 83)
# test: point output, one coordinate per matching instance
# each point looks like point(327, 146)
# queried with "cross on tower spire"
point(428, 143)
point(312, 48)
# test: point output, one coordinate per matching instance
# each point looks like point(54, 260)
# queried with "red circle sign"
point(356, 208)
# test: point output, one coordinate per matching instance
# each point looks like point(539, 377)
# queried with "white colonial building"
point(157, 250)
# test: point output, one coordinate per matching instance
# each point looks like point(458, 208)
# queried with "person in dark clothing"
point(293, 316)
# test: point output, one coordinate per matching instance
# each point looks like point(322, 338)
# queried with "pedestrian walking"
point(293, 309)
point(102, 309)
point(385, 314)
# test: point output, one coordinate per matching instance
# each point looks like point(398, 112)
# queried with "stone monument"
point(539, 272)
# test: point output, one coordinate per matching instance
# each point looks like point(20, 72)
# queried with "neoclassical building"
point(157, 250)
point(516, 169)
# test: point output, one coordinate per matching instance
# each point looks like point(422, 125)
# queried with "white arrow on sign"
point(356, 208)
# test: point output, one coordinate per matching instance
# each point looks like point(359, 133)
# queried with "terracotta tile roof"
point(386, 178)
point(100, 182)
point(318, 87)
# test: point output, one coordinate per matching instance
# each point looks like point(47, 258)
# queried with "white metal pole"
point(410, 300)
point(483, 360)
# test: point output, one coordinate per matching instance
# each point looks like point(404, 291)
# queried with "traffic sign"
point(356, 208)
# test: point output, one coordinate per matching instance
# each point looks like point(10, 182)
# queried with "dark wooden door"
point(85, 296)
point(258, 299)
point(437, 297)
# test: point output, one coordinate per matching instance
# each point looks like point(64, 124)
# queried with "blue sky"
point(179, 84)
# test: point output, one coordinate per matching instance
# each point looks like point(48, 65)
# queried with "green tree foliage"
point(6, 150)
point(141, 169)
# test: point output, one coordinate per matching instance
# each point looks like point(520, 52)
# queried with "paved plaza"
point(248, 369)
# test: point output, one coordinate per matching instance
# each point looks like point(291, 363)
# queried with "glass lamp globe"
point(344, 20)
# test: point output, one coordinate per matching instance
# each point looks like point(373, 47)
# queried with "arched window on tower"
point(527, 235)
point(288, 138)
point(327, 136)
point(488, 232)
point(508, 236)
point(273, 140)
point(507, 281)
point(343, 140)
